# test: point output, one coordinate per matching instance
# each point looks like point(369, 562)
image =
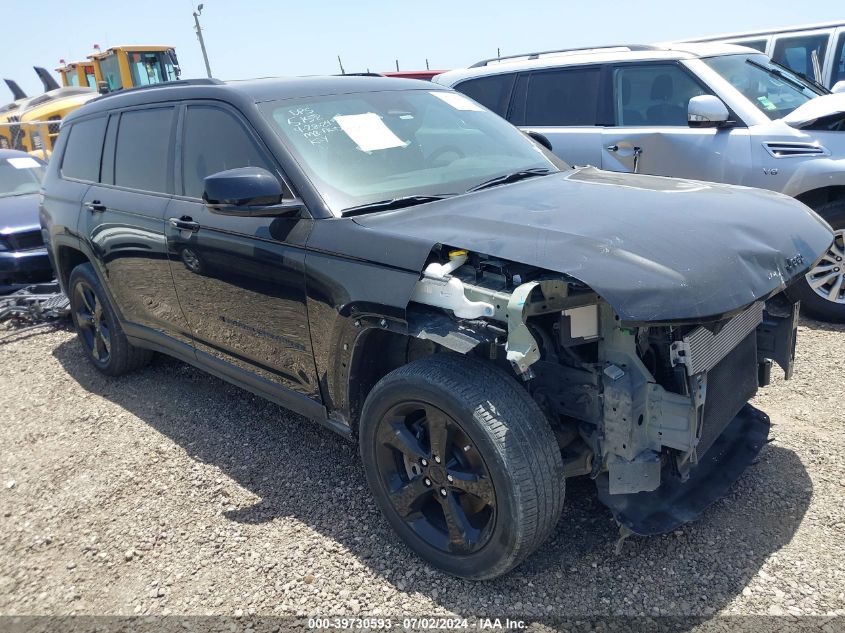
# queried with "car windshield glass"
point(775, 90)
point(20, 175)
point(367, 147)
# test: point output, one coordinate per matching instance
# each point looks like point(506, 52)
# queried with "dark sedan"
point(23, 257)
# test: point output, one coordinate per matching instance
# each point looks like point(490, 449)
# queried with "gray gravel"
point(169, 491)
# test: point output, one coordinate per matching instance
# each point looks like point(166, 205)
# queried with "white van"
point(793, 47)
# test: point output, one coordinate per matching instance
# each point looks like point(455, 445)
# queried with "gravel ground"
point(169, 491)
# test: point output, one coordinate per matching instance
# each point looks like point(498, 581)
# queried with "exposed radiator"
point(701, 350)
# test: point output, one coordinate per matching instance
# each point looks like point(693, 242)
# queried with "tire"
point(508, 485)
point(98, 327)
point(813, 303)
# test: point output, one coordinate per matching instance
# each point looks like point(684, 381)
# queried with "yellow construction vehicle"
point(121, 67)
point(77, 74)
point(117, 68)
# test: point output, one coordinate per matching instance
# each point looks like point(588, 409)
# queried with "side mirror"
point(247, 191)
point(707, 111)
point(542, 139)
point(838, 87)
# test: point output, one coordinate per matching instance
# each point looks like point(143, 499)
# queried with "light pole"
point(198, 29)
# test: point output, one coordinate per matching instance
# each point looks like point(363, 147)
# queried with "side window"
point(795, 52)
point(142, 154)
point(654, 94)
point(566, 97)
point(81, 159)
point(214, 141)
point(838, 72)
point(492, 92)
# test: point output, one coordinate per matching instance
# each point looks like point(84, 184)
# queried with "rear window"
point(143, 154)
point(84, 146)
point(563, 97)
point(493, 92)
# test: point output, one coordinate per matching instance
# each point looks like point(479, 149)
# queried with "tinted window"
point(656, 94)
point(492, 92)
point(82, 156)
point(838, 72)
point(214, 141)
point(795, 52)
point(563, 97)
point(143, 149)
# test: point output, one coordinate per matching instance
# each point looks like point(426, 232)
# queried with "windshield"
point(151, 68)
point(774, 89)
point(368, 147)
point(20, 175)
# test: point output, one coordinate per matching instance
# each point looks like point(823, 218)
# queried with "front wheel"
point(822, 290)
point(462, 463)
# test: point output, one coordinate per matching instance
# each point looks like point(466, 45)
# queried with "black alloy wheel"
point(435, 477)
point(92, 326)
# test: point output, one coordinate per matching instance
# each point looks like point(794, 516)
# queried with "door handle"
point(612, 148)
point(95, 206)
point(185, 224)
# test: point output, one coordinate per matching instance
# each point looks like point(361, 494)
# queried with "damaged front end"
point(656, 413)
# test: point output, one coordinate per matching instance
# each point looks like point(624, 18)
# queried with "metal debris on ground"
point(34, 306)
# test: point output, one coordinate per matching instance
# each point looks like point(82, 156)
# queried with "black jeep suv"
point(398, 263)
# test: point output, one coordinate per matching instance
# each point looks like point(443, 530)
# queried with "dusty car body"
point(414, 273)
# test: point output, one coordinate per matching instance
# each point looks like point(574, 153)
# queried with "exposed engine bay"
point(656, 413)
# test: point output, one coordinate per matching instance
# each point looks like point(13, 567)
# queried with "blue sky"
point(250, 38)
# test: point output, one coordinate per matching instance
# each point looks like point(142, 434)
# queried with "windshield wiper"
point(512, 177)
point(393, 203)
point(779, 73)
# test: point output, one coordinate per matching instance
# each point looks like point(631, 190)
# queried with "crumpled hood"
point(656, 249)
point(18, 212)
point(815, 109)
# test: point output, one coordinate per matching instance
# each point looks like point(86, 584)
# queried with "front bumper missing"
point(675, 502)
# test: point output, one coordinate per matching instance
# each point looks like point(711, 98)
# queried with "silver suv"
point(714, 112)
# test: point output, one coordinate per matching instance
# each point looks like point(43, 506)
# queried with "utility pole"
point(198, 29)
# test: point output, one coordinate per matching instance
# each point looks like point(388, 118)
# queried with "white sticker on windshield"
point(458, 101)
point(368, 131)
point(23, 162)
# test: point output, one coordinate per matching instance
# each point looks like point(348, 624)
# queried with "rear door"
point(240, 280)
point(565, 105)
point(651, 134)
point(123, 220)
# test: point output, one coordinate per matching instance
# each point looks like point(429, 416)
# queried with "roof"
point(249, 90)
point(763, 32)
point(598, 55)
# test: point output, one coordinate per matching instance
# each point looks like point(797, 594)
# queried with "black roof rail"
point(165, 84)
point(529, 56)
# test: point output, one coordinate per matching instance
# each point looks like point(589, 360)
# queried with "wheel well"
point(68, 259)
point(377, 353)
point(817, 197)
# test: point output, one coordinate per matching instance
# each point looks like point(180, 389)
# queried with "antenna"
point(397, 65)
point(340, 63)
point(426, 64)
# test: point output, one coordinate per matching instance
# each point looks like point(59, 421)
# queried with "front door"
point(239, 280)
point(652, 136)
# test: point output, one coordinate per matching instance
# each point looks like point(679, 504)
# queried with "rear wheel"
point(463, 464)
point(98, 328)
point(822, 290)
